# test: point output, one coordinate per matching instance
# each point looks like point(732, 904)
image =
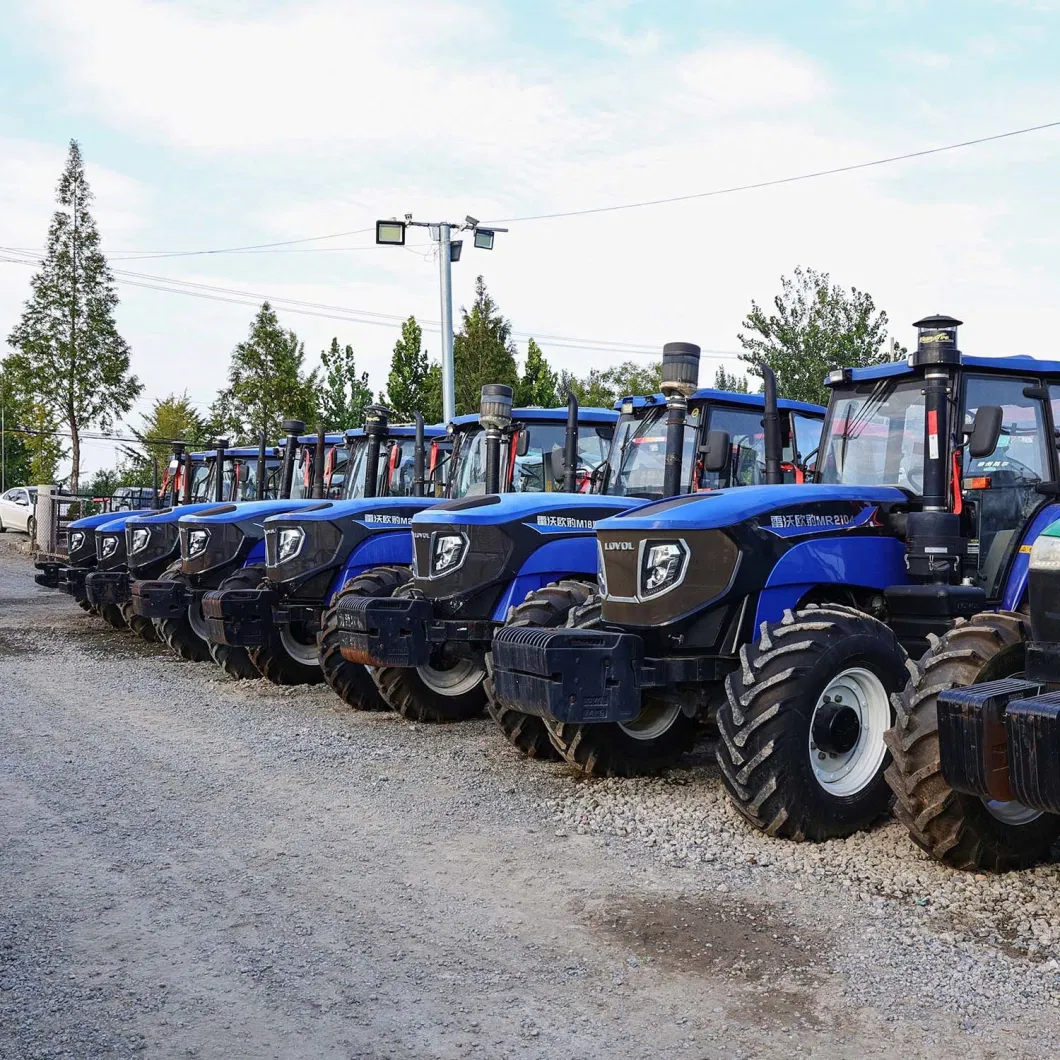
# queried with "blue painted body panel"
point(170, 515)
point(256, 554)
point(585, 415)
point(336, 511)
point(573, 557)
point(389, 549)
point(404, 430)
point(1016, 585)
point(91, 522)
point(521, 506)
point(722, 508)
point(723, 397)
point(1019, 364)
point(247, 510)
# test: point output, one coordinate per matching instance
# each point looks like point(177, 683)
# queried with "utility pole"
point(393, 233)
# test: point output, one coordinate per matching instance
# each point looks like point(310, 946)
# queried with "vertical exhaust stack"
point(495, 415)
point(771, 428)
point(318, 466)
point(179, 461)
point(262, 466)
point(376, 428)
point(680, 378)
point(418, 458)
point(219, 470)
point(291, 429)
point(570, 442)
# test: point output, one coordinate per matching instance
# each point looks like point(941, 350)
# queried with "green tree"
point(266, 383)
point(735, 384)
point(344, 394)
point(14, 450)
point(432, 394)
point(70, 356)
point(817, 327)
point(483, 351)
point(104, 482)
point(592, 390)
point(603, 387)
point(172, 418)
point(406, 386)
point(538, 383)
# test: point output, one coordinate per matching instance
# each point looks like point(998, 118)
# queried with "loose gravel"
point(195, 867)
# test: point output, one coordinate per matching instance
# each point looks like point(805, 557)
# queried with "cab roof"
point(402, 430)
point(536, 415)
point(237, 450)
point(1020, 364)
point(331, 438)
point(726, 397)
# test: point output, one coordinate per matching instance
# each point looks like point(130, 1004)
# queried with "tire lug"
point(821, 756)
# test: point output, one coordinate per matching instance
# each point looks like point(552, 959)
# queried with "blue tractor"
point(273, 611)
point(363, 548)
point(530, 558)
point(804, 603)
point(199, 553)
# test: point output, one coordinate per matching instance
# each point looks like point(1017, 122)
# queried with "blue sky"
point(210, 125)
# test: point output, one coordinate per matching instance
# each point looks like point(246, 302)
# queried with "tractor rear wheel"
point(547, 608)
point(185, 633)
point(444, 690)
point(657, 739)
point(144, 628)
point(352, 682)
point(961, 830)
point(236, 661)
point(113, 616)
point(801, 750)
point(87, 605)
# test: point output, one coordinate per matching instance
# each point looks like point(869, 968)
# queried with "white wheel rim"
point(306, 654)
point(1011, 813)
point(461, 677)
point(653, 721)
point(197, 621)
point(847, 774)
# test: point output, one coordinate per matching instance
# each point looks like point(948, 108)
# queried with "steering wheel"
point(912, 478)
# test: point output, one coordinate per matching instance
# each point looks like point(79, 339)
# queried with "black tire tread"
point(176, 631)
point(236, 661)
point(144, 628)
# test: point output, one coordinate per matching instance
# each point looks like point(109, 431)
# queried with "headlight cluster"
point(77, 539)
point(662, 567)
point(138, 539)
point(601, 572)
point(108, 545)
point(447, 553)
point(197, 540)
point(289, 543)
point(1045, 555)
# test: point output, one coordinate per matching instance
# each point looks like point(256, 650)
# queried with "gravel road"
point(193, 867)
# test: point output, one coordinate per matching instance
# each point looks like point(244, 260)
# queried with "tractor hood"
point(151, 537)
point(316, 540)
point(536, 509)
point(224, 534)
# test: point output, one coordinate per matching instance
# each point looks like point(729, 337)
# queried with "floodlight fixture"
point(455, 246)
point(390, 232)
point(484, 238)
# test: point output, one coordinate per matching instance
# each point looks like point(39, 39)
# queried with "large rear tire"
point(440, 692)
point(352, 682)
point(657, 739)
point(144, 628)
point(801, 751)
point(547, 608)
point(184, 633)
point(236, 661)
point(961, 830)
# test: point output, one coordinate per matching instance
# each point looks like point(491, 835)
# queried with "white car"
point(16, 509)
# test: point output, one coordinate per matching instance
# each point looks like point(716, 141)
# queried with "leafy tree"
point(70, 357)
point(104, 482)
point(172, 418)
point(432, 394)
point(735, 384)
point(409, 369)
point(343, 393)
point(538, 383)
point(592, 390)
point(817, 327)
point(483, 351)
point(602, 388)
point(266, 383)
point(14, 448)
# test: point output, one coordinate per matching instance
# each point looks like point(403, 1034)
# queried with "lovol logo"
point(618, 546)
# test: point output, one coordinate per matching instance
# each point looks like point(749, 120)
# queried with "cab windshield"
point(874, 435)
point(637, 459)
point(353, 485)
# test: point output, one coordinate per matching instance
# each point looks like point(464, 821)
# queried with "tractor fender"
point(571, 557)
point(390, 549)
point(1016, 583)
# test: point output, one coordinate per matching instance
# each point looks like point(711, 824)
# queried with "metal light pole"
point(393, 233)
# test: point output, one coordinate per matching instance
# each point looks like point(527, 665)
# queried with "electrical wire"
point(779, 180)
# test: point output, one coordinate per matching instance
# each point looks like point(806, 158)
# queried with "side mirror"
point(717, 451)
point(522, 442)
point(985, 432)
point(559, 462)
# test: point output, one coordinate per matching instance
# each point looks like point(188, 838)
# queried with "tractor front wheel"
point(185, 633)
point(144, 628)
point(657, 739)
point(236, 661)
point(801, 750)
point(547, 608)
point(962, 830)
point(352, 682)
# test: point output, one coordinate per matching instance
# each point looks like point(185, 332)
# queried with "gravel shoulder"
point(193, 867)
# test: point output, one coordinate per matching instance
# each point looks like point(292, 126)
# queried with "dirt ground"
point(191, 867)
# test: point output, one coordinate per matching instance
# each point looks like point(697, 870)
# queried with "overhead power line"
point(781, 180)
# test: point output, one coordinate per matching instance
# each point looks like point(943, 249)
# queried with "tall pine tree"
point(266, 383)
point(538, 383)
point(344, 394)
point(70, 357)
point(408, 387)
point(172, 418)
point(483, 351)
